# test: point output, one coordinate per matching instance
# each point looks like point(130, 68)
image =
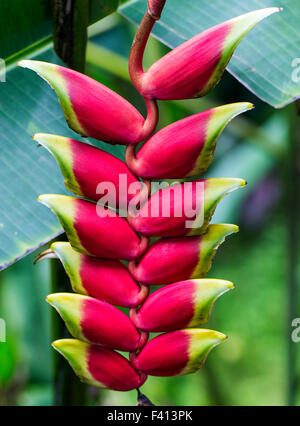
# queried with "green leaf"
point(263, 62)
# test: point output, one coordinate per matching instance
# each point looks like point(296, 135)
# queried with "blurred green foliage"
point(250, 368)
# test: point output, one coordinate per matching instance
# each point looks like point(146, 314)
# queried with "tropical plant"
point(101, 239)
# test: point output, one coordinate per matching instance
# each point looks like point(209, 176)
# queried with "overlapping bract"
point(195, 67)
point(99, 366)
point(104, 279)
point(95, 230)
point(100, 237)
point(175, 259)
point(192, 139)
point(177, 352)
point(95, 321)
point(182, 209)
point(86, 170)
point(92, 109)
point(179, 305)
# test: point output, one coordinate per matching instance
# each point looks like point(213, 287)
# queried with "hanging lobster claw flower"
point(169, 260)
point(87, 170)
point(179, 305)
point(195, 67)
point(93, 110)
point(183, 208)
point(94, 321)
point(94, 230)
point(99, 366)
point(177, 353)
point(104, 279)
point(185, 148)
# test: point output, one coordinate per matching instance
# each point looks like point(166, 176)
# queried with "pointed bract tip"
point(65, 346)
point(42, 137)
point(213, 335)
point(232, 228)
point(50, 199)
point(263, 13)
point(60, 245)
point(46, 198)
point(250, 19)
point(221, 283)
point(33, 65)
point(53, 298)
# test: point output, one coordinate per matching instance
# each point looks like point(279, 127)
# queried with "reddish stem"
point(137, 50)
point(152, 118)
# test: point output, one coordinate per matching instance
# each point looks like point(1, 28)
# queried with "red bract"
point(182, 209)
point(184, 148)
point(92, 109)
point(95, 321)
point(177, 353)
point(94, 230)
point(174, 259)
point(104, 279)
point(194, 68)
point(89, 171)
point(99, 366)
point(179, 305)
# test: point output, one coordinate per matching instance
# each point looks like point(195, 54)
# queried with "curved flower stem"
point(151, 120)
point(136, 71)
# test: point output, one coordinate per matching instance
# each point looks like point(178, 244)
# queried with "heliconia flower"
point(155, 8)
point(177, 352)
point(95, 321)
point(179, 305)
point(194, 68)
point(93, 110)
point(104, 279)
point(99, 366)
point(183, 208)
point(184, 148)
point(175, 259)
point(94, 230)
point(85, 167)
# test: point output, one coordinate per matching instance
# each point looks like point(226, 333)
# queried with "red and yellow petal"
point(194, 68)
point(169, 260)
point(95, 321)
point(179, 305)
point(94, 230)
point(90, 108)
point(177, 352)
point(184, 148)
point(183, 208)
point(85, 168)
point(105, 279)
point(98, 366)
